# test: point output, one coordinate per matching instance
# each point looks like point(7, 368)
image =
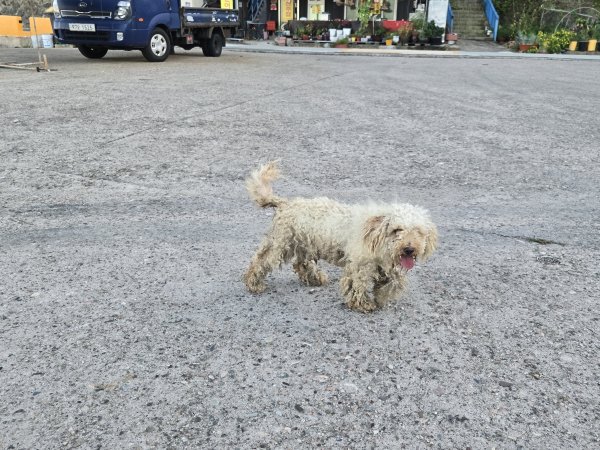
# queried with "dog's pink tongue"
point(407, 262)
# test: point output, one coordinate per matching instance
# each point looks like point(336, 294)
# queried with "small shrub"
point(555, 42)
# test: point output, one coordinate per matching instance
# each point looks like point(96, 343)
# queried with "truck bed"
point(209, 17)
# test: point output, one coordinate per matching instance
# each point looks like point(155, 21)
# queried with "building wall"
point(12, 26)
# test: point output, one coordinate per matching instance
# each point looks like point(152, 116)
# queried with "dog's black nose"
point(408, 251)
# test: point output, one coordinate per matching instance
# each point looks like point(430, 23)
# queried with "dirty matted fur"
point(376, 244)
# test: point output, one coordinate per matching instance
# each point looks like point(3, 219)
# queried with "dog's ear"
point(431, 243)
point(375, 232)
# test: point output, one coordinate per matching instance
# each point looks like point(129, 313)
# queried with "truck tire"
point(214, 45)
point(158, 47)
point(92, 52)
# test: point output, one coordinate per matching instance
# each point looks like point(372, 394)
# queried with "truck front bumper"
point(111, 34)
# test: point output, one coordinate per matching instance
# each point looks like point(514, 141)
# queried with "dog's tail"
point(259, 186)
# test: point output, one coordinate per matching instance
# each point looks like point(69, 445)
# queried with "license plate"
point(82, 27)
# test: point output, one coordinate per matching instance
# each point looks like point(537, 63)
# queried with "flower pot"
point(437, 40)
point(524, 48)
point(451, 38)
point(346, 31)
point(572, 46)
point(388, 42)
point(582, 46)
point(592, 45)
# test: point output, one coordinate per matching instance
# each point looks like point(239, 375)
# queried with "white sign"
point(438, 12)
point(315, 7)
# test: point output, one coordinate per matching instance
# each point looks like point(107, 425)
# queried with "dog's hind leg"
point(309, 273)
point(274, 251)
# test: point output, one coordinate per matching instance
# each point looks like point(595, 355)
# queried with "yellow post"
point(592, 45)
point(573, 46)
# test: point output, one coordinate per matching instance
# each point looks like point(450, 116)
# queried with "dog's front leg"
point(355, 285)
point(388, 285)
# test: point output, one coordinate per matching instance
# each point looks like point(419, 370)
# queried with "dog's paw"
point(317, 279)
point(253, 283)
point(364, 307)
point(257, 288)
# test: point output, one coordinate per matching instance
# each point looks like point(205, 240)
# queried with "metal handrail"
point(450, 19)
point(492, 16)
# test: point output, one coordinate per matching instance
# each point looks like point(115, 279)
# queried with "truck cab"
point(152, 26)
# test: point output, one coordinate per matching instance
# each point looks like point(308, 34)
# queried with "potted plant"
point(404, 32)
point(526, 40)
point(364, 15)
point(301, 33)
point(379, 33)
point(451, 37)
point(389, 39)
point(321, 34)
point(432, 33)
point(341, 42)
point(418, 23)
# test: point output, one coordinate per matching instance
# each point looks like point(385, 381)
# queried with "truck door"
point(172, 7)
point(165, 11)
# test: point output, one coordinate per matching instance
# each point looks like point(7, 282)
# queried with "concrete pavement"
point(125, 229)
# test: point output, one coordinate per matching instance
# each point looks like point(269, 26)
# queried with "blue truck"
point(152, 26)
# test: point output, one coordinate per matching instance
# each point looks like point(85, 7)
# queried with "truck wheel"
point(92, 52)
point(214, 46)
point(159, 46)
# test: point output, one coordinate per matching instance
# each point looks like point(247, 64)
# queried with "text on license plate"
point(82, 27)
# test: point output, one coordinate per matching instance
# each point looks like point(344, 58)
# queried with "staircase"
point(469, 19)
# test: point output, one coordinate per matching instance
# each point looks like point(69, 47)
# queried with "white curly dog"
point(376, 244)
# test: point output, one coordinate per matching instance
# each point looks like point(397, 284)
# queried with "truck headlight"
point(123, 11)
point(55, 9)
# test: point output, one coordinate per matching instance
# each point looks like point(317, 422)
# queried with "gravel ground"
point(125, 229)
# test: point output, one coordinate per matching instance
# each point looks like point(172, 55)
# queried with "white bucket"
point(347, 31)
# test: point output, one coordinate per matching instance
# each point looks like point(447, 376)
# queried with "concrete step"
point(475, 38)
point(477, 27)
point(466, 4)
point(478, 24)
point(468, 13)
point(470, 20)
